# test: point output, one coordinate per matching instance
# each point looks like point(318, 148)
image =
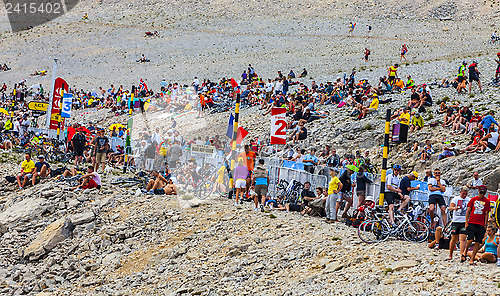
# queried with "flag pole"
point(51, 96)
point(235, 135)
point(129, 129)
point(385, 155)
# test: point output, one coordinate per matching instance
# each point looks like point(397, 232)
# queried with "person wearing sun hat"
point(346, 191)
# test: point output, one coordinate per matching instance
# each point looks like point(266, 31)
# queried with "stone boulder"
point(55, 233)
point(27, 209)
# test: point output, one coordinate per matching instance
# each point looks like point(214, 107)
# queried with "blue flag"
point(230, 128)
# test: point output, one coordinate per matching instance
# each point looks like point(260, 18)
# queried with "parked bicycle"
point(379, 229)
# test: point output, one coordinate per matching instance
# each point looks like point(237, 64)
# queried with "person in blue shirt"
point(487, 121)
point(310, 160)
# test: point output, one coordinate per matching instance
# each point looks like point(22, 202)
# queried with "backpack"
point(10, 179)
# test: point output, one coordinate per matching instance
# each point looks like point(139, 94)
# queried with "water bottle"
point(498, 262)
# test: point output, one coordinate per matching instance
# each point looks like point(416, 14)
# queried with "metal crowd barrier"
point(278, 173)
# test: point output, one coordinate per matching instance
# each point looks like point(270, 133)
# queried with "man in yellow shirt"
point(392, 73)
point(404, 122)
point(331, 201)
point(373, 106)
point(417, 122)
point(27, 167)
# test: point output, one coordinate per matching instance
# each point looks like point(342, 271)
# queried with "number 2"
point(281, 130)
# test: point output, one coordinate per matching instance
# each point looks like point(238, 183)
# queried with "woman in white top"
point(490, 141)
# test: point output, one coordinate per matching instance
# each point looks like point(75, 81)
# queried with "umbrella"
point(2, 110)
point(116, 126)
point(82, 128)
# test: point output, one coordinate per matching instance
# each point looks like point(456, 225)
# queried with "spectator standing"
point(474, 76)
point(346, 190)
point(475, 221)
point(261, 181)
point(458, 206)
point(240, 175)
point(437, 187)
point(310, 161)
point(101, 148)
point(334, 188)
point(361, 182)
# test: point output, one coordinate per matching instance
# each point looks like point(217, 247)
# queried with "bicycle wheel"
point(373, 231)
point(204, 189)
point(416, 231)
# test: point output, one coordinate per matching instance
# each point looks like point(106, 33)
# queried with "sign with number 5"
point(278, 126)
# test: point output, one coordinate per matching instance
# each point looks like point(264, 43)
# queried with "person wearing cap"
point(437, 187)
point(393, 192)
point(406, 188)
point(42, 169)
point(365, 209)
point(476, 219)
point(474, 76)
point(458, 206)
point(346, 190)
point(473, 122)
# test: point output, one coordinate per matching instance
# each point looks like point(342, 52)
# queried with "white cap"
point(369, 198)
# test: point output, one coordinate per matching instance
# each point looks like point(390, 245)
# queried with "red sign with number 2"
point(278, 126)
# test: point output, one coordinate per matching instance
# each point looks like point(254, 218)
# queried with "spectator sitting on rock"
point(27, 168)
point(441, 241)
point(473, 122)
point(426, 152)
point(42, 169)
point(449, 151)
point(90, 180)
point(417, 122)
point(490, 140)
point(473, 145)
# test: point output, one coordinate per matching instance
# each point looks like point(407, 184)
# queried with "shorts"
point(100, 157)
point(444, 243)
point(460, 79)
point(302, 136)
point(78, 152)
point(294, 207)
point(476, 232)
point(437, 199)
point(261, 190)
point(370, 110)
point(241, 183)
point(392, 78)
point(361, 192)
point(390, 197)
point(473, 78)
point(91, 184)
point(458, 228)
point(160, 191)
point(491, 146)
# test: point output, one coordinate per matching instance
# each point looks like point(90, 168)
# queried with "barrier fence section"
point(278, 173)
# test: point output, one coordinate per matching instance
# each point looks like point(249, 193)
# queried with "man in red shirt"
point(476, 218)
